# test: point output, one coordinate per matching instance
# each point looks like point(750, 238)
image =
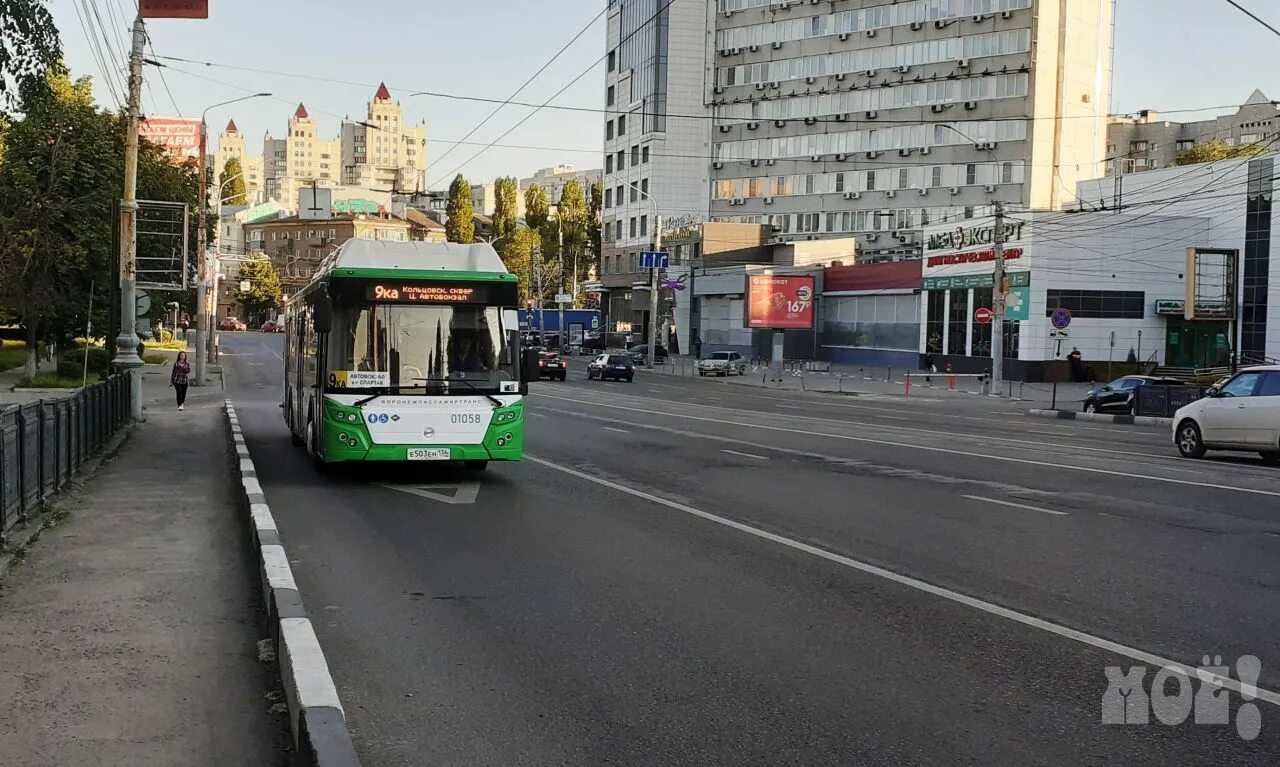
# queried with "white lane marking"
point(933, 432)
point(653, 391)
point(746, 455)
point(1014, 505)
point(919, 585)
point(948, 451)
point(273, 351)
point(538, 415)
point(791, 407)
point(464, 493)
point(610, 428)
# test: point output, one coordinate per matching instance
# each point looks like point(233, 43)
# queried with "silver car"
point(722, 364)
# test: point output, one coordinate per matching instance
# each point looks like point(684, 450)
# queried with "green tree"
point(461, 224)
point(537, 208)
point(29, 47)
point(506, 204)
point(59, 183)
point(263, 289)
point(519, 252)
point(233, 193)
point(595, 204)
point(1212, 151)
point(571, 218)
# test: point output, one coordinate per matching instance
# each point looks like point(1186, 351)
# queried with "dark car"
point(616, 366)
point(639, 354)
point(1121, 395)
point(551, 366)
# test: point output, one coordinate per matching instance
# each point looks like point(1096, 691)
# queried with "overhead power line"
point(1253, 16)
point(668, 115)
point(517, 91)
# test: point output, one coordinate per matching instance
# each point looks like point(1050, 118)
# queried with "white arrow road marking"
point(455, 493)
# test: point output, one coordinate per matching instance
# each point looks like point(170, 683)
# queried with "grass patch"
point(49, 381)
point(12, 356)
point(155, 359)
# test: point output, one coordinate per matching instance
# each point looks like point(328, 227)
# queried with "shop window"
point(1098, 304)
point(958, 322)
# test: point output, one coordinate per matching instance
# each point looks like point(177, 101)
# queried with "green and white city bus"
point(407, 351)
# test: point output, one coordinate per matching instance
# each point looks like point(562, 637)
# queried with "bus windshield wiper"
point(386, 390)
point(496, 402)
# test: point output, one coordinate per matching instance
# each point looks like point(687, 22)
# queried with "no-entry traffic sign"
point(983, 315)
point(1060, 319)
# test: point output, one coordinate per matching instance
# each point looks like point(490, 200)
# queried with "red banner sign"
point(974, 257)
point(180, 136)
point(779, 302)
point(174, 9)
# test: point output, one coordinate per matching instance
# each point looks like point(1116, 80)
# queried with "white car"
point(1241, 414)
point(722, 364)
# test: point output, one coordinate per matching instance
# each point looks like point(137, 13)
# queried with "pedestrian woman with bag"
point(178, 378)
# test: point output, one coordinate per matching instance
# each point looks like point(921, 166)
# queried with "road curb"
point(1071, 415)
point(316, 718)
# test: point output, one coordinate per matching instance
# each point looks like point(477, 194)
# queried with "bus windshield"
point(422, 348)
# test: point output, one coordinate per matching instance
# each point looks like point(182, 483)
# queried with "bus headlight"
point(352, 417)
point(501, 442)
point(353, 443)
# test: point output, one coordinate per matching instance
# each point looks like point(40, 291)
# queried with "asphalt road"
point(695, 572)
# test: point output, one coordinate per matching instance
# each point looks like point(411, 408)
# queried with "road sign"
point(1060, 319)
point(1059, 333)
point(983, 315)
point(564, 298)
point(655, 259)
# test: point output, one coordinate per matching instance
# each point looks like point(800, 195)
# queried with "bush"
point(155, 359)
point(99, 360)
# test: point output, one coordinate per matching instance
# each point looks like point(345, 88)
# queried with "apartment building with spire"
point(299, 159)
point(231, 145)
point(382, 152)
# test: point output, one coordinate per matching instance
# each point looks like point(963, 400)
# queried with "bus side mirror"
point(322, 314)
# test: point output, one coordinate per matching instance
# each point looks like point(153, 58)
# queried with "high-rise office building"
point(876, 118)
point(657, 137)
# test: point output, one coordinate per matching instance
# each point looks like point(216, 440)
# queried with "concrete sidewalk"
point(130, 633)
point(888, 382)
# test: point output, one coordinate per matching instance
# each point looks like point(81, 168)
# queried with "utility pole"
point(127, 358)
point(997, 300)
point(202, 297)
point(541, 317)
point(560, 249)
point(653, 291)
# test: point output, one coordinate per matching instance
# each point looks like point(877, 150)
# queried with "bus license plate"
point(428, 454)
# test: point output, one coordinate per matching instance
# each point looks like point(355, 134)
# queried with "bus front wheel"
point(293, 435)
point(316, 461)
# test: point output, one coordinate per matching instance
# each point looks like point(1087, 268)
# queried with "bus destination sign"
point(428, 294)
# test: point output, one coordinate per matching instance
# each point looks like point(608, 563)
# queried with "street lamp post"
point(217, 259)
point(126, 357)
point(203, 349)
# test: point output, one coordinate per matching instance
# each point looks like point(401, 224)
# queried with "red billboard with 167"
point(779, 301)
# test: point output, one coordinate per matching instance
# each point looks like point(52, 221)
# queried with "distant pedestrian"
point(178, 378)
point(1076, 360)
point(186, 323)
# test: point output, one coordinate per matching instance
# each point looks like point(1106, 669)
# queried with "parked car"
point(551, 366)
point(270, 326)
point(722, 364)
point(1242, 414)
point(232, 324)
point(1121, 395)
point(640, 354)
point(616, 366)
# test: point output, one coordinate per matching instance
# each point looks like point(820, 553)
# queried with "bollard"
point(908, 383)
point(888, 375)
point(1054, 404)
point(951, 379)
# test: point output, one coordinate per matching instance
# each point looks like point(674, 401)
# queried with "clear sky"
point(1170, 54)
